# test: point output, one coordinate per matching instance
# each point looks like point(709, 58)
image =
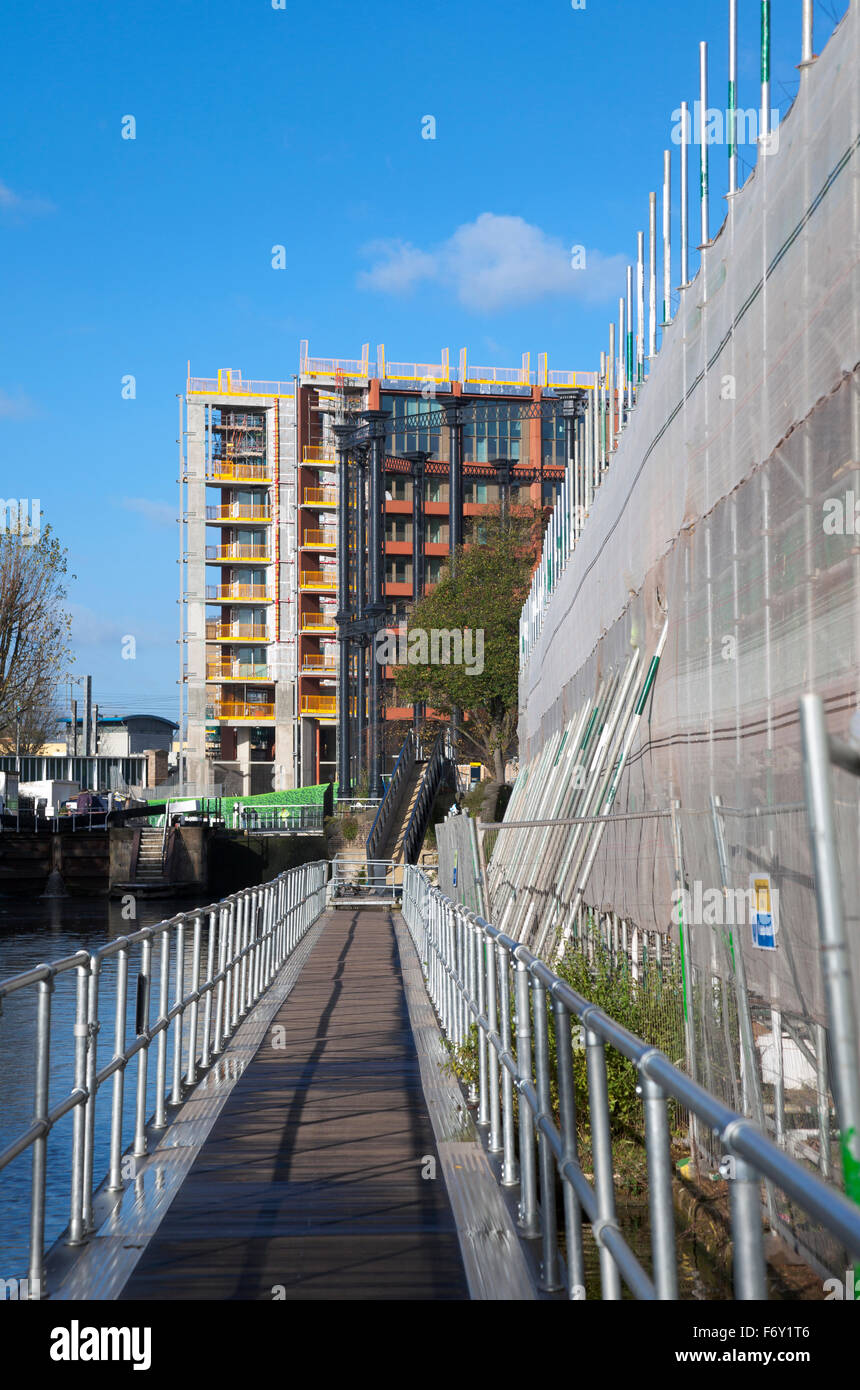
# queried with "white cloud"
point(493, 263)
point(159, 513)
point(17, 406)
point(19, 204)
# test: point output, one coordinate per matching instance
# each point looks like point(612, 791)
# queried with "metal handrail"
point(406, 759)
point(471, 970)
point(249, 935)
point(430, 782)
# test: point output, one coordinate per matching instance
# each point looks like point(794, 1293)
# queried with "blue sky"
point(302, 126)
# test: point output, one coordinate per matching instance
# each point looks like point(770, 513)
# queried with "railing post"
point(570, 1151)
point(191, 1069)
point(550, 1264)
point(601, 1144)
point(178, 992)
point(659, 1154)
point(483, 1061)
point(510, 1167)
point(142, 1026)
point(115, 1181)
point(495, 1143)
point(76, 1224)
point(39, 1171)
point(163, 1006)
point(750, 1283)
point(528, 1217)
point(206, 1055)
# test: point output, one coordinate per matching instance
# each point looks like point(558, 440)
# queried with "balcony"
point(320, 497)
point(320, 540)
point(225, 471)
point(319, 455)
point(238, 593)
point(237, 671)
point(241, 511)
point(225, 553)
point(237, 632)
point(316, 665)
point(320, 706)
point(322, 581)
point(238, 712)
point(318, 622)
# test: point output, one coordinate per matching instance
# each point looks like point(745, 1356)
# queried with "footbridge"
point(267, 1082)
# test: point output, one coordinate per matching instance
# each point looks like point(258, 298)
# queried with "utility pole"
point(88, 717)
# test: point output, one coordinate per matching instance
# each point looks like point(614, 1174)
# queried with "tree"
point(34, 636)
point(480, 601)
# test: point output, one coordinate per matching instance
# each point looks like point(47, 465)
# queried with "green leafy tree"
point(34, 636)
point(483, 593)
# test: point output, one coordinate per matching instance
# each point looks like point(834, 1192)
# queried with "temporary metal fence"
point(473, 971)
point(357, 880)
point(235, 950)
point(276, 818)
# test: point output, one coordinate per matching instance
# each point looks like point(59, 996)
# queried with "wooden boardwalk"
point(310, 1184)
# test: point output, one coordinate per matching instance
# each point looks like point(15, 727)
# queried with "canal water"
point(33, 931)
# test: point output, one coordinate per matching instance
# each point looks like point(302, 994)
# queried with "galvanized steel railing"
point(236, 949)
point(472, 972)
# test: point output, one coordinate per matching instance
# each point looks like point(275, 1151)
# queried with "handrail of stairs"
point(388, 807)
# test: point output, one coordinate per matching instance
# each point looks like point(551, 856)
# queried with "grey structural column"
point(503, 478)
point(344, 609)
point(418, 459)
point(454, 424)
point(376, 605)
point(360, 602)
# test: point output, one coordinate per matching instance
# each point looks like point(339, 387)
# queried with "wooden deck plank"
point(310, 1184)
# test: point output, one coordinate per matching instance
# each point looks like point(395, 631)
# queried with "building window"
point(398, 571)
point(400, 487)
point(437, 491)
point(434, 568)
point(409, 410)
point(484, 440)
point(552, 442)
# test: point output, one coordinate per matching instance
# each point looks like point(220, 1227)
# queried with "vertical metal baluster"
point(39, 1171)
point(550, 1264)
point(528, 1220)
point(223, 917)
point(567, 1118)
point(483, 1077)
point(471, 958)
point(81, 1033)
point(750, 1282)
point(193, 1011)
point(495, 1139)
point(92, 1071)
point(115, 1182)
point(510, 1166)
point(161, 1056)
point(206, 1055)
point(659, 1154)
point(601, 1144)
point(143, 1055)
point(178, 994)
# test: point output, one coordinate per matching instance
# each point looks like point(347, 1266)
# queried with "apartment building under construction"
point(259, 537)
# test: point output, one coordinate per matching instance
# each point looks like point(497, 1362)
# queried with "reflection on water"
point(33, 930)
